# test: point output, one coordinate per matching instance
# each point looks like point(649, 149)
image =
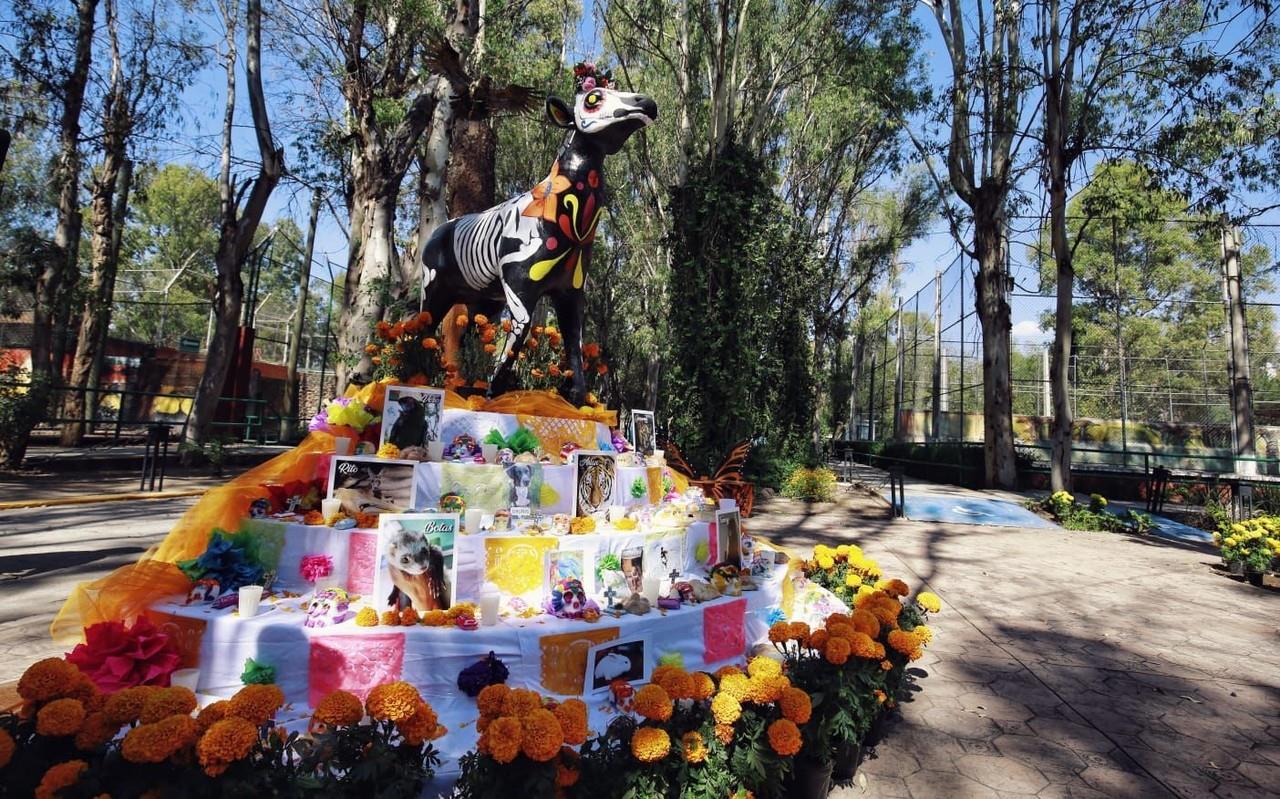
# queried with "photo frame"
point(412, 416)
point(416, 562)
point(629, 659)
point(644, 434)
point(595, 481)
point(371, 485)
point(729, 537)
point(571, 563)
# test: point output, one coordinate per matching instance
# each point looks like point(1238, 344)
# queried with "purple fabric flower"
point(319, 422)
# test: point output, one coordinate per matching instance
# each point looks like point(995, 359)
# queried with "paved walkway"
point(1067, 664)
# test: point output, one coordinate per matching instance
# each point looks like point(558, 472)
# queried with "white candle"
point(250, 596)
point(435, 450)
point(489, 599)
point(490, 452)
point(473, 519)
point(329, 509)
point(652, 585)
point(342, 445)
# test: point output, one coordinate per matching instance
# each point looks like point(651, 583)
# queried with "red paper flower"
point(315, 567)
point(116, 657)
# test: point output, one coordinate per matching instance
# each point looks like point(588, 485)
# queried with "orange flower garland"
point(60, 717)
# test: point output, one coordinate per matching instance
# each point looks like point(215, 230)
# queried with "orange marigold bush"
point(339, 709)
point(422, 726)
point(796, 705)
point(60, 717)
point(652, 702)
point(542, 737)
point(737, 685)
point(784, 737)
point(501, 739)
point(520, 702)
point(703, 686)
point(158, 741)
point(693, 748)
point(256, 703)
point(59, 777)
point(394, 701)
point(837, 651)
point(212, 713)
point(165, 702)
point(572, 715)
point(96, 730)
point(224, 743)
point(492, 699)
point(47, 679)
point(726, 708)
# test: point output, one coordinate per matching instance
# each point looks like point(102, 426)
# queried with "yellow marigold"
point(822, 549)
point(521, 701)
point(922, 633)
point(96, 730)
point(212, 713)
point(492, 699)
point(866, 623)
point(693, 747)
point(796, 705)
point(724, 733)
point(501, 739)
point(542, 736)
point(725, 671)
point(650, 744)
point(409, 617)
point(764, 666)
point(60, 717)
point(422, 726)
point(393, 701)
point(766, 688)
point(47, 679)
point(893, 587)
point(784, 737)
point(572, 715)
point(880, 696)
point(339, 709)
point(864, 591)
point(390, 618)
point(436, 618)
point(798, 631)
point(59, 777)
point(726, 708)
point(825, 562)
point(7, 747)
point(903, 641)
point(853, 580)
point(652, 702)
point(837, 651)
point(929, 601)
point(166, 702)
point(736, 685)
point(778, 632)
point(157, 742)
point(703, 686)
point(256, 703)
point(388, 450)
point(367, 617)
point(224, 743)
point(818, 639)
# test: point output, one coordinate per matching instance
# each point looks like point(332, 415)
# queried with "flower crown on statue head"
point(587, 76)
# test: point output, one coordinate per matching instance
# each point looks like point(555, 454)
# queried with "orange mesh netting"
point(126, 592)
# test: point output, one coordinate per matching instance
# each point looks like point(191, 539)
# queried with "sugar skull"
point(568, 599)
point(328, 608)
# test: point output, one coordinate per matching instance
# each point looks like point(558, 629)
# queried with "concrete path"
point(1066, 664)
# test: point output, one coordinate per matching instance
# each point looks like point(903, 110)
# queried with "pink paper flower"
point(588, 84)
point(315, 567)
point(115, 657)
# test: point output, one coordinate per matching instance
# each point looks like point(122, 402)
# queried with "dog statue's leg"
point(520, 304)
point(570, 308)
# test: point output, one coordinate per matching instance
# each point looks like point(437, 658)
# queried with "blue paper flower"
point(225, 562)
point(775, 615)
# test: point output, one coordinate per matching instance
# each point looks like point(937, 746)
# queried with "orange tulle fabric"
point(126, 592)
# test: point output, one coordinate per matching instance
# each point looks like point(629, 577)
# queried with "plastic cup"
point(490, 452)
point(329, 508)
point(474, 517)
point(342, 445)
point(435, 450)
point(185, 678)
point(250, 596)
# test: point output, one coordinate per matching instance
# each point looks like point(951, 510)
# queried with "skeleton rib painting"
point(539, 243)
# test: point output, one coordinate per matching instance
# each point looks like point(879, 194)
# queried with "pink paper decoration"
point(315, 567)
point(724, 630)
point(362, 562)
point(354, 663)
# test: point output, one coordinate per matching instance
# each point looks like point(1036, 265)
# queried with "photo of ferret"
point(417, 571)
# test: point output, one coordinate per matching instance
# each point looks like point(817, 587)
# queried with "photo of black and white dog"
point(521, 476)
point(416, 570)
point(411, 416)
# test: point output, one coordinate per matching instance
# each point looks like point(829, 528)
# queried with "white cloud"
point(1027, 329)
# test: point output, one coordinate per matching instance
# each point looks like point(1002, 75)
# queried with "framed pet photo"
point(570, 564)
point(729, 537)
point(411, 416)
point(371, 485)
point(595, 481)
point(620, 659)
point(644, 435)
point(415, 561)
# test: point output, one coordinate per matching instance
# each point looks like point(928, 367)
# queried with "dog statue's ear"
point(559, 113)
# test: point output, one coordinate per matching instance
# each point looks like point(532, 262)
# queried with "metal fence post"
point(936, 423)
point(897, 381)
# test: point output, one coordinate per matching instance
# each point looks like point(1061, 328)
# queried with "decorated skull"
point(205, 590)
point(328, 608)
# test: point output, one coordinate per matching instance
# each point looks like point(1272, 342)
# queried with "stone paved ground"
point(1066, 664)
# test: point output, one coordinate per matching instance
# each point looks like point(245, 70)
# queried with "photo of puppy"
point(411, 416)
point(371, 485)
point(521, 476)
point(416, 563)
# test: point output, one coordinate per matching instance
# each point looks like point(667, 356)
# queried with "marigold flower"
point(861, 645)
point(764, 666)
point(157, 742)
point(521, 701)
point(886, 666)
point(60, 717)
point(929, 601)
point(652, 702)
point(693, 747)
point(724, 733)
point(490, 348)
point(572, 715)
point(430, 343)
point(481, 320)
point(59, 777)
point(903, 641)
point(393, 701)
point(256, 704)
point(566, 771)
point(173, 701)
point(737, 685)
point(542, 736)
point(422, 726)
point(47, 679)
point(383, 329)
point(825, 562)
point(602, 369)
point(923, 633)
point(703, 686)
point(798, 631)
point(866, 623)
point(224, 743)
point(766, 689)
point(650, 744)
point(840, 630)
point(339, 709)
point(893, 587)
point(778, 632)
point(492, 699)
point(212, 713)
point(784, 737)
point(726, 708)
point(501, 739)
point(389, 618)
point(7, 747)
point(880, 696)
point(796, 705)
point(837, 651)
point(367, 617)
point(409, 617)
point(370, 349)
point(461, 320)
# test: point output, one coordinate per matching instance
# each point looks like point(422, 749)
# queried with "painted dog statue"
point(538, 243)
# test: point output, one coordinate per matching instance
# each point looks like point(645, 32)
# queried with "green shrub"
point(810, 485)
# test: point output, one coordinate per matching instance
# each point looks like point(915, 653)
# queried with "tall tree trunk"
point(1059, 374)
point(55, 272)
point(289, 409)
point(993, 314)
point(369, 275)
point(237, 226)
point(471, 181)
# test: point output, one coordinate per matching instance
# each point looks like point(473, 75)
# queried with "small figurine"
point(463, 448)
point(621, 695)
point(259, 508)
point(345, 523)
point(205, 590)
point(619, 443)
point(506, 456)
point(501, 520)
point(566, 452)
point(637, 605)
point(328, 608)
point(703, 592)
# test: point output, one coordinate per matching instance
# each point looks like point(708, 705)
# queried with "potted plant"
point(1250, 546)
